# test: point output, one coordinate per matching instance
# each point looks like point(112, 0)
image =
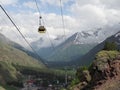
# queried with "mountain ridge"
point(89, 57)
point(12, 58)
point(68, 51)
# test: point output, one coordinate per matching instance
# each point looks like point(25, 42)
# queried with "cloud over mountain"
point(79, 15)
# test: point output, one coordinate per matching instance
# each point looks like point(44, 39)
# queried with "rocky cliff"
point(104, 72)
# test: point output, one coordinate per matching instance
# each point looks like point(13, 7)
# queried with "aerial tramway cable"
point(41, 28)
point(5, 22)
point(63, 23)
point(40, 23)
point(21, 33)
point(37, 7)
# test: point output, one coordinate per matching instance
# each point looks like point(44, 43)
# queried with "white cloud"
point(84, 15)
point(27, 23)
point(8, 2)
point(54, 2)
point(30, 4)
point(90, 16)
point(95, 13)
point(111, 4)
point(85, 2)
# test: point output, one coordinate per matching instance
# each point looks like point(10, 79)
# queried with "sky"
point(79, 15)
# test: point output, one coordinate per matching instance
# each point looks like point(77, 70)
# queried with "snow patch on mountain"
point(96, 35)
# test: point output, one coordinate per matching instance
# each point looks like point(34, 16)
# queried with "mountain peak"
point(84, 37)
point(80, 36)
point(117, 34)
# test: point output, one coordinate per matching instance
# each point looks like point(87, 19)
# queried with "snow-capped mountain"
point(85, 38)
point(89, 57)
point(96, 35)
point(74, 46)
point(117, 38)
point(71, 49)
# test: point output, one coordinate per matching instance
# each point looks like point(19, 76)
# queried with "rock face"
point(105, 72)
point(106, 65)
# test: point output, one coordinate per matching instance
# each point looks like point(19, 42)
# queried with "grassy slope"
point(10, 56)
point(70, 53)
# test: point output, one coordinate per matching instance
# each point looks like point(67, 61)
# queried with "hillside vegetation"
point(11, 55)
point(11, 59)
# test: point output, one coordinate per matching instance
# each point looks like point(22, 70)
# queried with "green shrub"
point(83, 74)
point(74, 81)
point(110, 46)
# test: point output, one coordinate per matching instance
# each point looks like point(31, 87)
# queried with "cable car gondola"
point(41, 28)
